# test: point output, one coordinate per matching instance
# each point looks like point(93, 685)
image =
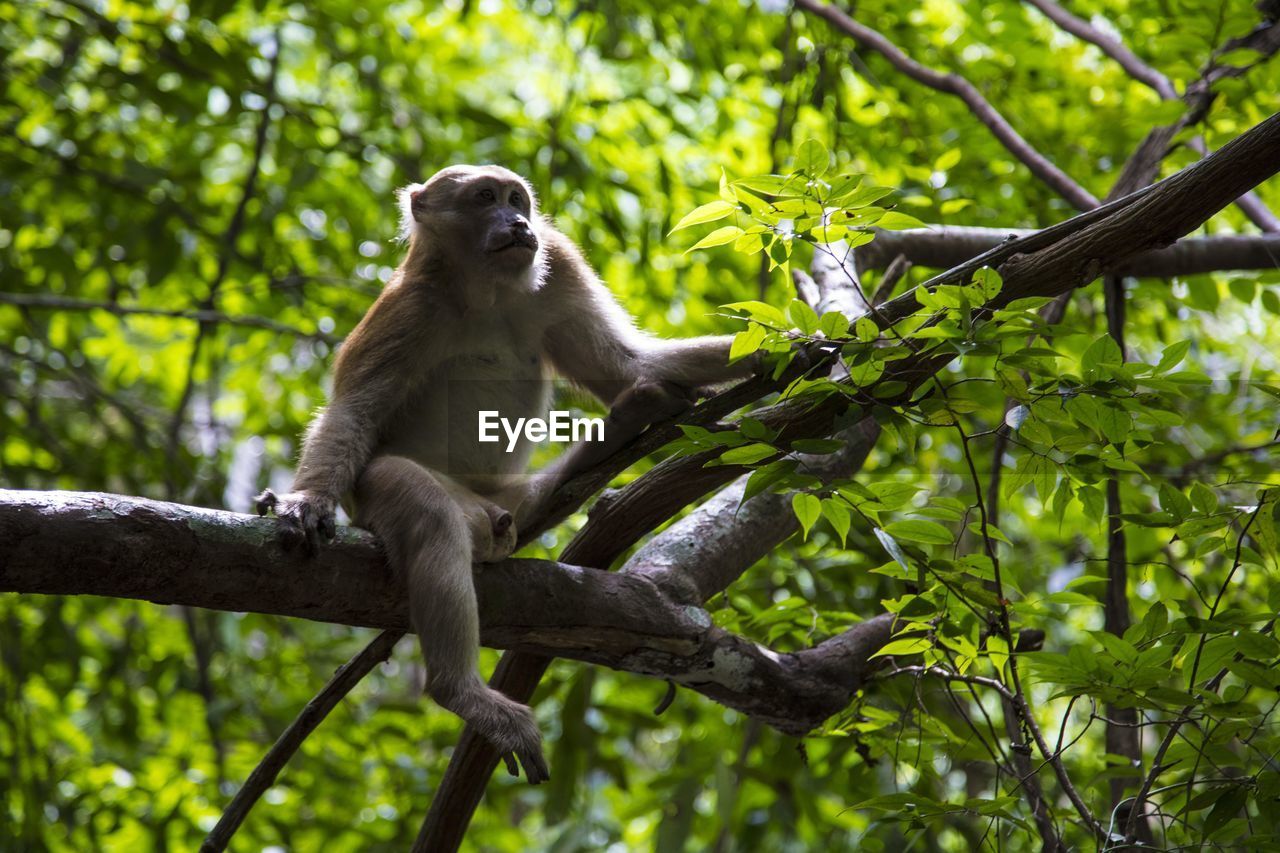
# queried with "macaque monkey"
point(489, 299)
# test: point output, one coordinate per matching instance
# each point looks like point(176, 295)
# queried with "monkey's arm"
point(369, 385)
point(594, 342)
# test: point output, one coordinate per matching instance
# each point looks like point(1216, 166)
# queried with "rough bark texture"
point(943, 247)
point(76, 543)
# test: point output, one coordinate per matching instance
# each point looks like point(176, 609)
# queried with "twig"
point(264, 775)
point(63, 303)
point(897, 268)
point(1127, 59)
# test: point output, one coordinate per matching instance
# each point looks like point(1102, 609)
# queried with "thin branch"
point(945, 246)
point(63, 303)
point(954, 84)
point(225, 257)
point(264, 775)
point(1127, 59)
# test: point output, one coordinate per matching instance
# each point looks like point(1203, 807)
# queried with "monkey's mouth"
point(529, 243)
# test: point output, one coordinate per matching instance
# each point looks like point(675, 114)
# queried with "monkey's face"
point(480, 215)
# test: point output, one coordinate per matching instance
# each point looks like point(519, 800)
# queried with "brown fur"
point(466, 323)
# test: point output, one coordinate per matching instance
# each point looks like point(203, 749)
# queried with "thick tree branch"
point(74, 543)
point(945, 246)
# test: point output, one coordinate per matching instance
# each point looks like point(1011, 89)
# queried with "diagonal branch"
point(954, 84)
point(1112, 47)
point(1198, 95)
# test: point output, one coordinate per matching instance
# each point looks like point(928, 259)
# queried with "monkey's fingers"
point(535, 767)
point(265, 502)
point(509, 759)
point(291, 533)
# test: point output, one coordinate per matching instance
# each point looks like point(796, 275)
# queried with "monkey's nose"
point(524, 235)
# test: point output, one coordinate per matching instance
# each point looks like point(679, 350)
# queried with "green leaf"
point(709, 212)
point(762, 479)
point(807, 508)
point(1172, 355)
point(746, 342)
point(760, 312)
point(1103, 351)
point(1203, 498)
point(718, 237)
point(802, 317)
point(866, 330)
point(895, 221)
point(891, 545)
point(861, 197)
point(813, 158)
point(836, 511)
point(911, 646)
point(918, 530)
point(947, 160)
point(747, 454)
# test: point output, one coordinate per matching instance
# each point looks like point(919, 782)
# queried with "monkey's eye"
point(516, 199)
point(486, 194)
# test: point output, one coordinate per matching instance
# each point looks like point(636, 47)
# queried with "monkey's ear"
point(412, 208)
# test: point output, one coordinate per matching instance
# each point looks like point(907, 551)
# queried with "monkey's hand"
point(811, 355)
point(305, 517)
point(648, 401)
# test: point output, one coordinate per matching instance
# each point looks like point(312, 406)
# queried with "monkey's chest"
point(449, 425)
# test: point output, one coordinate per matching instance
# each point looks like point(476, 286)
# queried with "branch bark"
point(76, 543)
point(945, 246)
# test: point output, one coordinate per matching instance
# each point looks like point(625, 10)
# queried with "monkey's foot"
point(305, 517)
point(502, 721)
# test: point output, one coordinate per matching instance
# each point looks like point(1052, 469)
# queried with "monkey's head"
point(478, 219)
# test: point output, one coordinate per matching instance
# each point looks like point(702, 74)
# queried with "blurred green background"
point(235, 162)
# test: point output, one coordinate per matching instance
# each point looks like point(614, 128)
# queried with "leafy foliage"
point(235, 162)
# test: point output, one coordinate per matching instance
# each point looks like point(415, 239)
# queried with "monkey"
point(489, 300)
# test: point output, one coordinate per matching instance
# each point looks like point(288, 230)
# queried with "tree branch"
point(953, 84)
point(945, 246)
point(63, 303)
point(76, 543)
point(1114, 48)
point(264, 775)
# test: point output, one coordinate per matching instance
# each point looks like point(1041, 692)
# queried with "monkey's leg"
point(427, 536)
